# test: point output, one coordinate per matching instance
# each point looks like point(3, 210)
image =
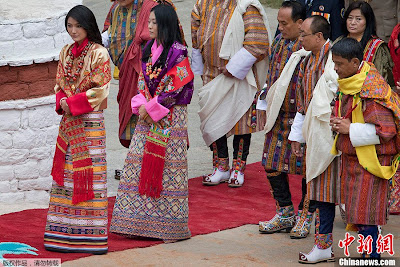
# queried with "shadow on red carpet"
point(211, 209)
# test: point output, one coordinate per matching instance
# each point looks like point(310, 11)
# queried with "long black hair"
point(85, 17)
point(168, 30)
point(368, 13)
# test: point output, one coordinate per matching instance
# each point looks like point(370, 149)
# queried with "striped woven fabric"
point(256, 42)
point(371, 48)
point(82, 227)
point(165, 217)
point(107, 21)
point(311, 70)
point(121, 30)
point(210, 19)
point(277, 154)
point(394, 202)
point(325, 187)
point(365, 195)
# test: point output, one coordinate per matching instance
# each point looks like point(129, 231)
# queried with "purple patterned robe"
point(182, 96)
point(166, 217)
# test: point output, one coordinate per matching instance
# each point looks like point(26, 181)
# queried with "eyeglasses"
point(304, 35)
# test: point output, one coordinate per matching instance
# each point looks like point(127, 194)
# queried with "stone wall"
point(29, 42)
point(28, 130)
point(32, 35)
point(33, 31)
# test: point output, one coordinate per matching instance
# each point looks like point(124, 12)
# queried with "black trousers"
point(326, 217)
point(222, 146)
point(279, 182)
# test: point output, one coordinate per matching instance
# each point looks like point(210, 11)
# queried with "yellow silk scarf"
point(366, 155)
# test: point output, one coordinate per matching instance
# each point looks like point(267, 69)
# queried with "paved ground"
point(242, 246)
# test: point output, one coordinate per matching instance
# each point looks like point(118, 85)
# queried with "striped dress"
point(277, 154)
point(325, 187)
point(210, 19)
point(365, 195)
point(82, 227)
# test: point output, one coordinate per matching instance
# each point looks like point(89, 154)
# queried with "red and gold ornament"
point(152, 73)
point(69, 74)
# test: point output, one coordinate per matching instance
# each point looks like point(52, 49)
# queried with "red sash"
point(72, 133)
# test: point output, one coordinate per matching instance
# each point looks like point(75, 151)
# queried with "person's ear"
point(356, 62)
point(299, 22)
point(319, 36)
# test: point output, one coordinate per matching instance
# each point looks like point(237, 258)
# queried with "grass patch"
point(272, 3)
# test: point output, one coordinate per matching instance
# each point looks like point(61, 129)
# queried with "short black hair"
point(368, 13)
point(85, 17)
point(348, 48)
point(298, 10)
point(320, 24)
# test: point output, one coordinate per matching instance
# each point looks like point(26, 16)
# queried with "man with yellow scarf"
point(366, 119)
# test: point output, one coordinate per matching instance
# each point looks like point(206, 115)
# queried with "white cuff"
point(262, 103)
point(240, 64)
point(363, 134)
point(197, 62)
point(105, 39)
point(296, 132)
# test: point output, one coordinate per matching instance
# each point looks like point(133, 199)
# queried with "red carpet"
point(211, 209)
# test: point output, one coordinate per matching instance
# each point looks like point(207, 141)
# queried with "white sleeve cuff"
point(240, 64)
point(105, 39)
point(296, 132)
point(363, 134)
point(261, 101)
point(197, 62)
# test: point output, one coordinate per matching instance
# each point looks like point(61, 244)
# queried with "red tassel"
point(57, 170)
point(336, 110)
point(83, 186)
point(151, 174)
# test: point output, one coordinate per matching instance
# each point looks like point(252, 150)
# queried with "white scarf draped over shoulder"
point(224, 100)
point(277, 92)
point(316, 129)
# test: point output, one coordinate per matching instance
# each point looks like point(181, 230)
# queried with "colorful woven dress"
point(365, 194)
point(394, 202)
point(77, 216)
point(323, 188)
point(376, 51)
point(210, 19)
point(152, 198)
point(121, 24)
point(277, 154)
